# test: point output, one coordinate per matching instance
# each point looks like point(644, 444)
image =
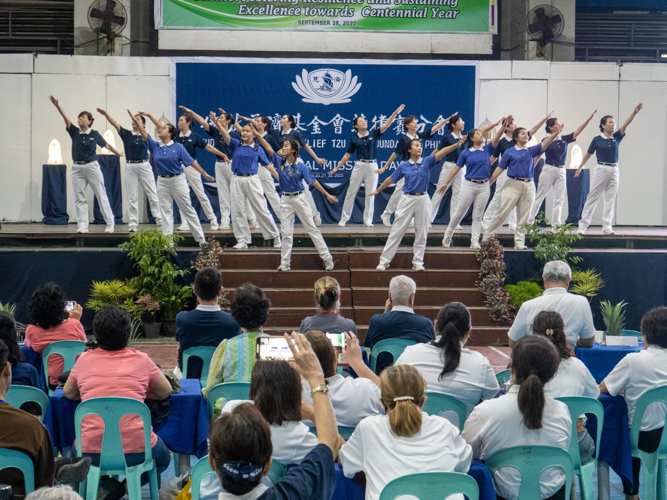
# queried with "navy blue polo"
point(135, 147)
point(191, 142)
point(246, 157)
point(292, 176)
point(219, 141)
point(449, 140)
point(477, 162)
point(401, 146)
point(366, 145)
point(504, 144)
point(84, 144)
point(606, 148)
point(556, 152)
point(520, 162)
point(272, 142)
point(417, 174)
point(167, 158)
point(290, 134)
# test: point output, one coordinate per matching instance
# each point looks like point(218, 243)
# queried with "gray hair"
point(54, 493)
point(400, 289)
point(557, 271)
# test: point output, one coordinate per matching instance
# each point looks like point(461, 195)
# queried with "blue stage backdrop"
point(324, 98)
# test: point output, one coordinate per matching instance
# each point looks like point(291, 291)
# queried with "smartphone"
point(337, 339)
point(70, 306)
point(273, 349)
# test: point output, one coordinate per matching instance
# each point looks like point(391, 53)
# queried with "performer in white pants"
point(606, 176)
point(553, 172)
point(364, 142)
point(455, 126)
point(85, 169)
point(475, 190)
point(137, 171)
point(519, 190)
point(169, 158)
point(415, 203)
point(292, 174)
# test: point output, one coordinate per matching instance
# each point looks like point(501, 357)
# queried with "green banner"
point(440, 16)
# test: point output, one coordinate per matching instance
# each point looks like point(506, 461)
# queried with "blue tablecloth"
point(185, 431)
point(110, 166)
point(33, 358)
point(601, 360)
point(577, 192)
point(54, 194)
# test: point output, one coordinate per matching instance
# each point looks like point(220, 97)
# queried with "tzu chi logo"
point(326, 86)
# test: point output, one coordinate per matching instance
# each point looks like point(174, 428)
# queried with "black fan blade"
point(556, 19)
point(96, 13)
point(120, 21)
point(547, 35)
point(105, 29)
point(534, 28)
point(111, 5)
point(539, 12)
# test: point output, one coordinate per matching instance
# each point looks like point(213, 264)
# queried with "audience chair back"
point(68, 349)
point(20, 394)
point(437, 403)
point(395, 347)
point(632, 333)
point(112, 459)
point(504, 377)
point(205, 353)
point(276, 472)
point(228, 391)
point(531, 461)
point(12, 459)
point(431, 486)
point(201, 469)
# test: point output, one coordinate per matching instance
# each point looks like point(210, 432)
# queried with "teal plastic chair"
point(205, 353)
point(276, 472)
point(653, 464)
point(112, 459)
point(20, 394)
point(579, 406)
point(431, 486)
point(531, 461)
point(12, 459)
point(632, 333)
point(395, 347)
point(68, 349)
point(437, 403)
point(344, 431)
point(228, 391)
point(504, 376)
point(201, 469)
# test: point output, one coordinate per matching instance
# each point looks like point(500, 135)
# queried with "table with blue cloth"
point(601, 360)
point(35, 359)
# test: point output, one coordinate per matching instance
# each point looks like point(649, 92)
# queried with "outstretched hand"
point(351, 349)
point(321, 161)
point(400, 108)
point(443, 189)
point(101, 111)
point(305, 360)
point(208, 177)
point(53, 100)
point(331, 198)
point(576, 174)
point(639, 107)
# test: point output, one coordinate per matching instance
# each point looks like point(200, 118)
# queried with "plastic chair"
point(395, 347)
point(653, 464)
point(201, 469)
point(68, 349)
point(205, 353)
point(632, 333)
point(531, 461)
point(431, 486)
point(12, 459)
point(112, 458)
point(276, 472)
point(227, 390)
point(504, 376)
point(579, 406)
point(20, 394)
point(437, 403)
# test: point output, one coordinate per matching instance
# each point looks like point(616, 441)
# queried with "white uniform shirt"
point(352, 398)
point(497, 424)
point(471, 382)
point(572, 379)
point(383, 456)
point(575, 310)
point(637, 373)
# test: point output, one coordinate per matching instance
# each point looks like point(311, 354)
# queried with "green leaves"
point(587, 283)
point(522, 292)
point(613, 316)
point(553, 244)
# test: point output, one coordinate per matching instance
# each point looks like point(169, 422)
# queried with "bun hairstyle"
point(534, 362)
point(516, 133)
point(452, 121)
point(408, 120)
point(603, 121)
point(250, 307)
point(291, 120)
point(470, 136)
point(327, 293)
point(453, 325)
point(189, 119)
point(550, 123)
point(267, 123)
point(403, 388)
point(230, 119)
point(550, 325)
point(323, 350)
point(89, 115)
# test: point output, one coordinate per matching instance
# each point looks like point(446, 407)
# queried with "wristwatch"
point(320, 388)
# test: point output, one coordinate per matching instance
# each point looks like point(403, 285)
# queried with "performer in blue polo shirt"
point(414, 202)
point(364, 142)
point(85, 169)
point(292, 174)
point(605, 178)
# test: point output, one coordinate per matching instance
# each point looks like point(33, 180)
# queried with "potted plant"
point(587, 283)
point(209, 256)
point(113, 293)
point(522, 292)
point(491, 258)
point(148, 307)
point(613, 316)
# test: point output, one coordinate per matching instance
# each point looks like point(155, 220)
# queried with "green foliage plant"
point(522, 292)
point(553, 244)
point(587, 283)
point(613, 316)
point(112, 293)
point(491, 258)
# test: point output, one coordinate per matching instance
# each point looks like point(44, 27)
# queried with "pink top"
point(37, 339)
point(126, 374)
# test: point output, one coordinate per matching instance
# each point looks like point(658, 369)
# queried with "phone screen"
point(337, 339)
point(70, 306)
point(273, 349)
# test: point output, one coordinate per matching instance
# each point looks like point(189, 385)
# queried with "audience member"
point(523, 417)
point(328, 318)
point(405, 440)
point(574, 309)
point(52, 323)
point(22, 373)
point(207, 325)
point(637, 373)
point(399, 320)
point(54, 493)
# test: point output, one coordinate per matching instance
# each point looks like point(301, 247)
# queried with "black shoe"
point(111, 489)
point(71, 469)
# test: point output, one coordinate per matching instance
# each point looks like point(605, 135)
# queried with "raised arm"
point(140, 126)
point(60, 110)
point(267, 147)
point(198, 118)
point(391, 119)
point(552, 137)
point(488, 128)
point(342, 162)
point(576, 133)
point(534, 130)
point(113, 122)
point(155, 121)
point(501, 131)
point(221, 129)
point(352, 354)
point(627, 122)
point(237, 126)
point(440, 154)
point(442, 123)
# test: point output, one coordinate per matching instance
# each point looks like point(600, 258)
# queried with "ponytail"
point(531, 401)
point(453, 325)
point(405, 418)
point(402, 388)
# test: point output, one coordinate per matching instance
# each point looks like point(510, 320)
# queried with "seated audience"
point(54, 493)
point(241, 445)
point(399, 320)
point(207, 325)
point(637, 373)
point(405, 440)
point(115, 370)
point(574, 309)
point(328, 318)
point(523, 417)
point(447, 366)
point(52, 323)
point(22, 373)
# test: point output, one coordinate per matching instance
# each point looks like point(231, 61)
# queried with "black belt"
point(477, 181)
point(170, 176)
point(136, 161)
point(550, 165)
point(292, 195)
point(243, 175)
point(416, 194)
point(519, 178)
point(608, 164)
point(83, 162)
point(367, 161)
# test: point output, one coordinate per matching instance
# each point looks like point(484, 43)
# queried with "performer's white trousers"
point(495, 203)
point(82, 176)
point(410, 206)
point(309, 197)
point(471, 194)
point(194, 180)
point(392, 205)
point(362, 173)
point(605, 184)
point(517, 194)
point(244, 190)
point(223, 181)
point(176, 189)
point(269, 189)
point(456, 188)
point(550, 177)
point(299, 206)
point(135, 174)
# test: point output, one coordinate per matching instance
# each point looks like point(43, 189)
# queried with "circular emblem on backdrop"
point(326, 86)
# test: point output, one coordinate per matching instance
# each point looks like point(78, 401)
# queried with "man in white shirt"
point(575, 309)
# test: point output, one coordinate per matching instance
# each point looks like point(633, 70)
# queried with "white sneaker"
point(284, 267)
point(276, 242)
point(381, 267)
point(109, 229)
point(341, 224)
point(459, 227)
point(134, 228)
point(608, 230)
point(328, 266)
point(370, 224)
point(581, 230)
point(317, 219)
point(475, 246)
point(512, 227)
point(82, 230)
point(184, 227)
point(447, 241)
point(386, 219)
point(519, 246)
point(418, 267)
point(215, 226)
point(240, 246)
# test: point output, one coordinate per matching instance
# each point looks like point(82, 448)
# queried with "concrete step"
point(278, 279)
point(444, 259)
point(429, 278)
point(302, 297)
point(269, 259)
point(431, 296)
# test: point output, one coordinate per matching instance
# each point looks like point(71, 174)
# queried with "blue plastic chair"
point(276, 472)
point(12, 459)
point(20, 394)
point(68, 349)
point(431, 486)
point(112, 458)
point(504, 376)
point(395, 347)
point(653, 464)
point(579, 406)
point(228, 391)
point(201, 469)
point(205, 353)
point(531, 461)
point(437, 403)
point(632, 333)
